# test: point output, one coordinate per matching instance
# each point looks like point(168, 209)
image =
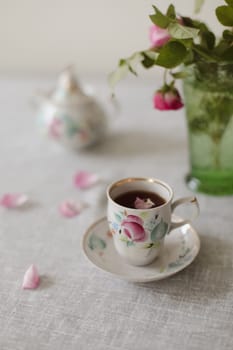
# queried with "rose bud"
point(167, 99)
point(158, 36)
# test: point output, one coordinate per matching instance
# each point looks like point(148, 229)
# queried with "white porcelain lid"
point(68, 91)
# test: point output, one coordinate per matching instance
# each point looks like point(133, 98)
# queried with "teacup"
point(139, 234)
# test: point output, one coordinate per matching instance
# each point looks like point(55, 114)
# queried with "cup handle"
point(187, 200)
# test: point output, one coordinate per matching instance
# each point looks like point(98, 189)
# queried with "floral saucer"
point(180, 249)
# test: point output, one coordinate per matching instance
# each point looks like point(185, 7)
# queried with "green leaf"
point(189, 22)
point(151, 54)
point(180, 75)
point(147, 62)
point(149, 58)
point(159, 19)
point(179, 31)
point(120, 73)
point(228, 54)
point(171, 55)
point(208, 39)
point(159, 231)
point(124, 67)
point(225, 15)
point(133, 61)
point(171, 12)
point(186, 42)
point(189, 59)
point(96, 242)
point(222, 46)
point(130, 243)
point(118, 217)
point(229, 2)
point(198, 5)
point(228, 35)
point(208, 56)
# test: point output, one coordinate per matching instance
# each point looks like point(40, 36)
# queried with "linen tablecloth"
point(78, 306)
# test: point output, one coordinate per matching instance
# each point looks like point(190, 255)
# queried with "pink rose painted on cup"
point(133, 228)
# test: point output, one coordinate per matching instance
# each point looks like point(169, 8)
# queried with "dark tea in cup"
point(131, 198)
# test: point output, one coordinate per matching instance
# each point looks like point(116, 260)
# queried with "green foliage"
point(205, 55)
point(208, 40)
point(180, 75)
point(228, 35)
point(159, 19)
point(116, 76)
point(171, 55)
point(215, 109)
point(228, 54)
point(229, 2)
point(124, 67)
point(150, 58)
point(171, 12)
point(225, 15)
point(179, 31)
point(147, 62)
point(191, 42)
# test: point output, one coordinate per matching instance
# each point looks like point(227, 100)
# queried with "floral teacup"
point(139, 234)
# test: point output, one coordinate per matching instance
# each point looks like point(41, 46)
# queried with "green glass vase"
point(208, 93)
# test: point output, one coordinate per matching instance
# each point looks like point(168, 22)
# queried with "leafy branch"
point(189, 42)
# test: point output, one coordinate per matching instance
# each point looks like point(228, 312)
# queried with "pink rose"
point(133, 228)
point(158, 36)
point(167, 100)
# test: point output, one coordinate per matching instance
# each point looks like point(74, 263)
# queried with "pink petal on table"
point(31, 278)
point(70, 209)
point(13, 200)
point(84, 179)
point(143, 203)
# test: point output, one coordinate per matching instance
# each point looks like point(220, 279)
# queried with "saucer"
point(180, 249)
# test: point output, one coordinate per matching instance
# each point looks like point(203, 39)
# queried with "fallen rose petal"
point(143, 203)
point(70, 209)
point(84, 179)
point(13, 200)
point(31, 278)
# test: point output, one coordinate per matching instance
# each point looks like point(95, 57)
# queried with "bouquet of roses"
point(179, 41)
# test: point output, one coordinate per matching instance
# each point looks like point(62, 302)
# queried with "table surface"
point(78, 306)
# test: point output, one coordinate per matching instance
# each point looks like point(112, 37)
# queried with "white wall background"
point(43, 36)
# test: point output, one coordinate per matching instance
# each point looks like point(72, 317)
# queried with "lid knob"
point(68, 87)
